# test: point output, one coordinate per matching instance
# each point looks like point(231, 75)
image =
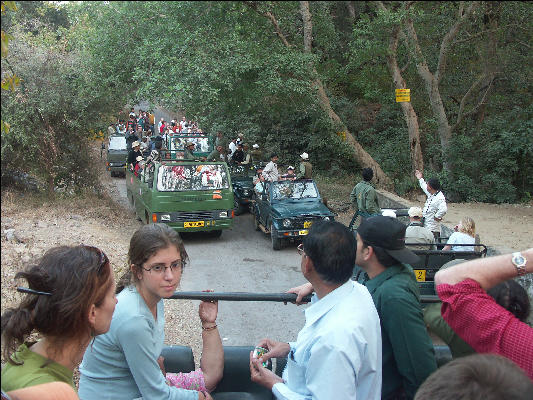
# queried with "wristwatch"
point(519, 262)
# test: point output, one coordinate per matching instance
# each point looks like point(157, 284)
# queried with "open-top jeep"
point(117, 154)
point(243, 187)
point(287, 209)
point(189, 196)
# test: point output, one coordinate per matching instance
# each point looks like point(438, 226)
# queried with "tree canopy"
point(293, 76)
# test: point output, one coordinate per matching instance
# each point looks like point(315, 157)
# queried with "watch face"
point(519, 259)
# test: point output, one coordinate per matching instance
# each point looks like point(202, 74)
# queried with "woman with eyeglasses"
point(124, 363)
point(69, 300)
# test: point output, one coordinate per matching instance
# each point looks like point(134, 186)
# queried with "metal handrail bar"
point(247, 296)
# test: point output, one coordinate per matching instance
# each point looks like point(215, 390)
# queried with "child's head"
point(146, 242)
point(76, 302)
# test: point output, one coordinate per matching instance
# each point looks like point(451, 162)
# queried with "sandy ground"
point(505, 227)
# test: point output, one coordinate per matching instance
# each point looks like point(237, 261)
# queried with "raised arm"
point(488, 272)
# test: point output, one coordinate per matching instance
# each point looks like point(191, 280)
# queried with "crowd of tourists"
point(363, 339)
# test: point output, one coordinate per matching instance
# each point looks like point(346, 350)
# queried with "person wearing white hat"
point(290, 174)
point(256, 153)
point(139, 165)
point(417, 233)
point(188, 153)
point(306, 168)
point(134, 153)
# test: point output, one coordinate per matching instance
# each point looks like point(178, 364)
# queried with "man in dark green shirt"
point(364, 197)
point(407, 350)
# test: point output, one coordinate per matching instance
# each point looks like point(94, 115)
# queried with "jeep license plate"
point(420, 275)
point(307, 224)
point(193, 224)
point(303, 233)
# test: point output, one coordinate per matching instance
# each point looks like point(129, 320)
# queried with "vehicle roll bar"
point(247, 296)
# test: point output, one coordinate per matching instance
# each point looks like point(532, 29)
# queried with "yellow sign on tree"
point(403, 95)
point(342, 135)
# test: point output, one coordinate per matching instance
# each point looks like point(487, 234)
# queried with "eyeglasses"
point(176, 266)
point(301, 250)
point(103, 258)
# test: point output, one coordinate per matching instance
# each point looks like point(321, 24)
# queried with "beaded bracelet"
point(209, 328)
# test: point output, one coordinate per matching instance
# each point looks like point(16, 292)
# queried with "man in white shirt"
point(232, 147)
point(270, 172)
point(435, 207)
point(338, 352)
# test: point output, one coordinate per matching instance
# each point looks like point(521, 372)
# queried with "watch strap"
point(519, 261)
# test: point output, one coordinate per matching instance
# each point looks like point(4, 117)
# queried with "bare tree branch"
point(461, 114)
point(449, 37)
point(273, 20)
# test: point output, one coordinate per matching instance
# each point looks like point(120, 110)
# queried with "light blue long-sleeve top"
point(122, 363)
point(337, 354)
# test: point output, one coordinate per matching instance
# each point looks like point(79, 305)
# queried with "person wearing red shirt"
point(476, 317)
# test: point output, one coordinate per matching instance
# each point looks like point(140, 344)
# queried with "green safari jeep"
point(189, 196)
point(243, 187)
point(286, 210)
point(117, 155)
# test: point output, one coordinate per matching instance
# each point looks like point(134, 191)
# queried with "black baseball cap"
point(389, 234)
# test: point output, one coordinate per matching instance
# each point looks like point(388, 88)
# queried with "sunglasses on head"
point(103, 260)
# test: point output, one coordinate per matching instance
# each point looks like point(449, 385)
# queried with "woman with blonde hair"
point(465, 233)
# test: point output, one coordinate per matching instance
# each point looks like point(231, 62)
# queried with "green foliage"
point(494, 165)
point(224, 65)
point(51, 112)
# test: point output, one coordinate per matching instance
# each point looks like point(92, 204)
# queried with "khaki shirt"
point(305, 170)
point(416, 233)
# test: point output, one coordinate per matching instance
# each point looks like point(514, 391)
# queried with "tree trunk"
point(490, 55)
point(432, 88)
point(363, 158)
point(411, 119)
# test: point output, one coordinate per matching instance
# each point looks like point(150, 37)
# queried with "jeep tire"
point(276, 241)
point(237, 207)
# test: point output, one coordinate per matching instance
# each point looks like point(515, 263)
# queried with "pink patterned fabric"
point(485, 325)
point(191, 381)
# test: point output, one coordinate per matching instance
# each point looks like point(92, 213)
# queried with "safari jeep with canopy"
point(189, 196)
point(287, 209)
point(117, 154)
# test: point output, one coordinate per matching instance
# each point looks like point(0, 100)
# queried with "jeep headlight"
point(165, 217)
point(326, 218)
point(286, 223)
point(223, 214)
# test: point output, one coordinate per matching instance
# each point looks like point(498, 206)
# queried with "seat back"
point(178, 359)
point(237, 377)
point(236, 383)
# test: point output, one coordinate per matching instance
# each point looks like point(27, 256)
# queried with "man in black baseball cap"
point(407, 350)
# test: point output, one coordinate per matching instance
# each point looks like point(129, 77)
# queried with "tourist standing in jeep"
point(435, 207)
point(306, 168)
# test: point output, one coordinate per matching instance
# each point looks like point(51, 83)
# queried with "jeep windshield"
point(117, 143)
point(174, 178)
point(294, 190)
point(201, 143)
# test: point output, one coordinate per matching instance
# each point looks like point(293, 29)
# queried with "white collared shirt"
point(338, 352)
point(435, 207)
